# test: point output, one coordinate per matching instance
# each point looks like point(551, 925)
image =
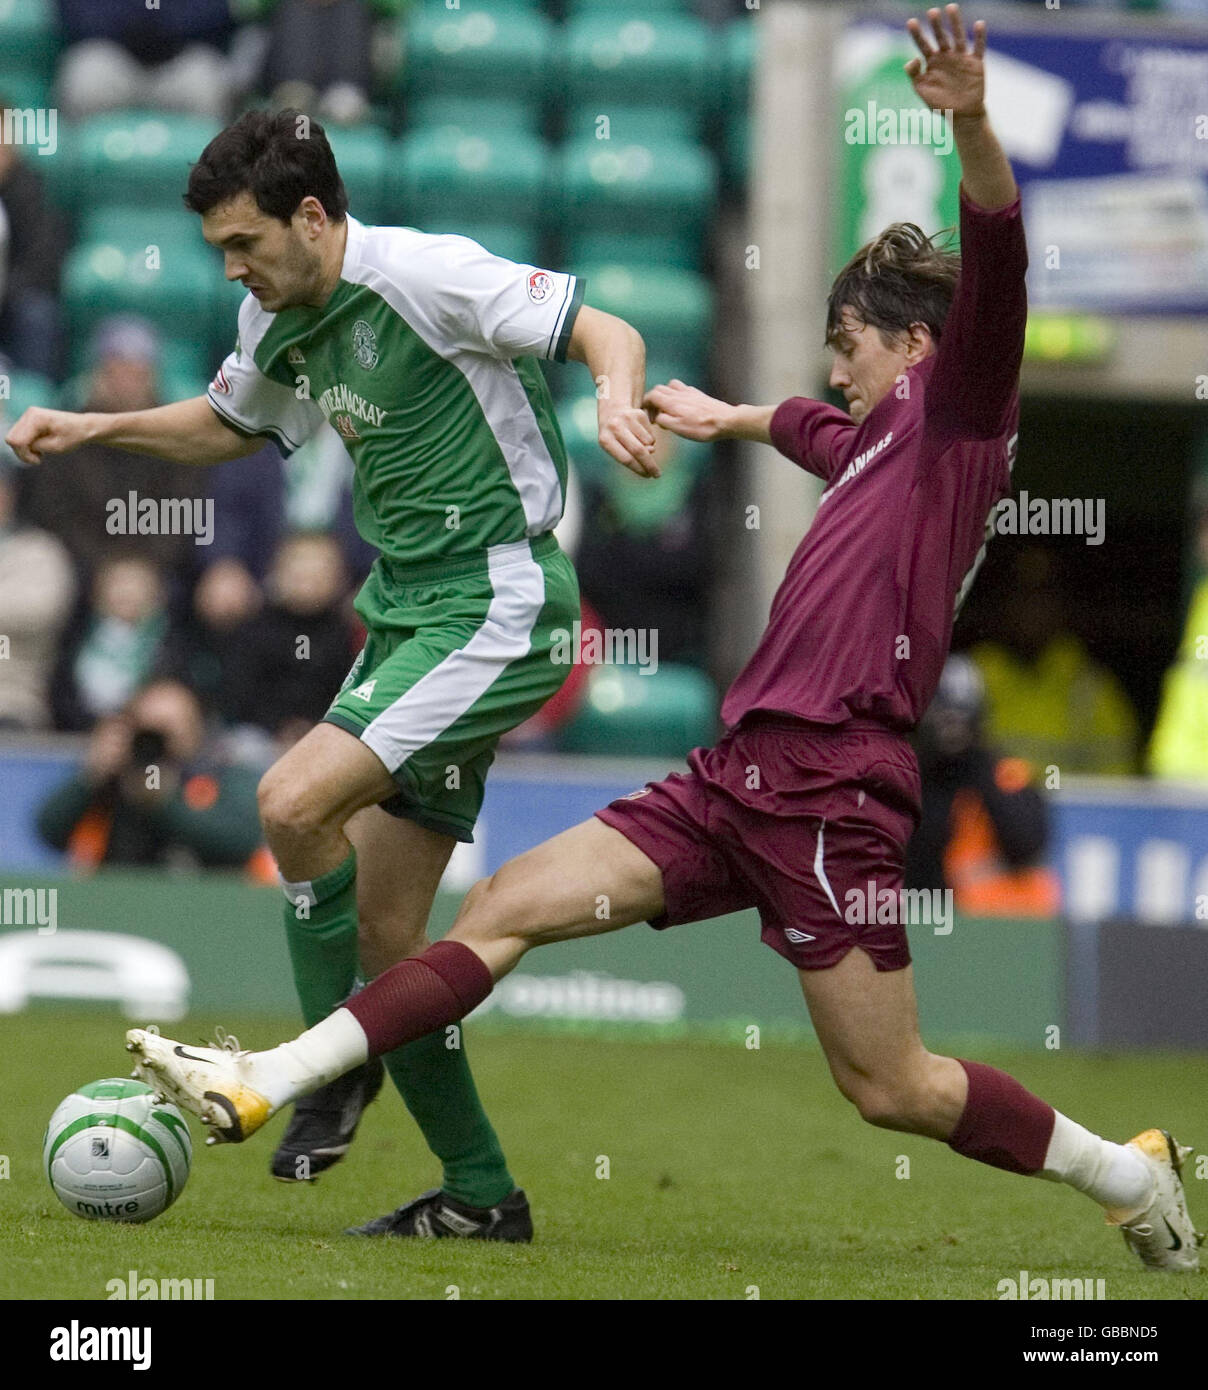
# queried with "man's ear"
point(919, 342)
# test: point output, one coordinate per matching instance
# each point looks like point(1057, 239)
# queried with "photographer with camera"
point(149, 793)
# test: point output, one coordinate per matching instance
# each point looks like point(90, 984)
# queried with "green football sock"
point(435, 1083)
point(321, 928)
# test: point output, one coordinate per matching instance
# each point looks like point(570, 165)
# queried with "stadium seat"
point(672, 309)
point(177, 291)
point(444, 176)
point(25, 89)
point(665, 188)
point(579, 9)
point(482, 49)
point(362, 155)
point(629, 124)
point(489, 114)
point(664, 714)
point(594, 248)
point(736, 56)
point(23, 390)
point(128, 157)
point(623, 58)
point(186, 368)
point(29, 38)
point(129, 224)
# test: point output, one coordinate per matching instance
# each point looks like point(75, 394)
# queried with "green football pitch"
point(656, 1170)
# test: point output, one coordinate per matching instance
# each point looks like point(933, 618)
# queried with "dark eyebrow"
point(233, 238)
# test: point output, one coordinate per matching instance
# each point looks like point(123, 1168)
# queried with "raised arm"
point(951, 77)
point(184, 432)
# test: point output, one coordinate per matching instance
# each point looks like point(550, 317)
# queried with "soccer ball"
point(112, 1154)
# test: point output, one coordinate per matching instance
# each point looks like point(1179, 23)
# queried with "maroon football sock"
point(1002, 1124)
point(419, 995)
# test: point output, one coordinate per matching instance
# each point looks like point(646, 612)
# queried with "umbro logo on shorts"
point(794, 935)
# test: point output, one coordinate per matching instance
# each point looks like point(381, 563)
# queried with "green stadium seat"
point(138, 157)
point(451, 174)
point(666, 714)
point(579, 9)
point(629, 124)
point(500, 238)
point(362, 155)
point(29, 37)
point(178, 296)
point(623, 58)
point(186, 369)
point(672, 309)
point(23, 389)
point(483, 49)
point(26, 89)
point(473, 113)
point(666, 189)
point(129, 224)
point(737, 55)
point(590, 248)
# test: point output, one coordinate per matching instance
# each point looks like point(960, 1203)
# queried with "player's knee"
point(881, 1102)
point(491, 909)
point(286, 807)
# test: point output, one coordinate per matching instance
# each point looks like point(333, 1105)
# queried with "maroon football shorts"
point(793, 819)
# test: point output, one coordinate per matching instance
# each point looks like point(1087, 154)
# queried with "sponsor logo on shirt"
point(221, 384)
point(857, 465)
point(341, 401)
point(296, 357)
point(364, 345)
point(540, 286)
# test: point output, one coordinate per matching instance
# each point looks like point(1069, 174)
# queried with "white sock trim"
point(329, 1049)
point(1113, 1175)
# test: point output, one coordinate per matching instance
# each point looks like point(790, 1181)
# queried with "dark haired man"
point(811, 795)
point(420, 351)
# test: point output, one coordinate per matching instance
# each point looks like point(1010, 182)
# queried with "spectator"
point(33, 242)
point(72, 496)
point(149, 793)
point(1047, 698)
point(1179, 747)
point(204, 650)
point(290, 660)
point(119, 644)
point(36, 589)
point(320, 51)
point(121, 53)
point(984, 828)
point(644, 553)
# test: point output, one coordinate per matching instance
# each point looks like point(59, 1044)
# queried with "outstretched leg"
point(867, 1022)
point(588, 880)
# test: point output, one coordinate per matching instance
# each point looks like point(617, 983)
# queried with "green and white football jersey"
point(422, 360)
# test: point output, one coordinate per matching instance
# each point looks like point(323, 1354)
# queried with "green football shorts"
point(456, 655)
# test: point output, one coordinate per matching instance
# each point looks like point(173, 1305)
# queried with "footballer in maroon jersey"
point(804, 807)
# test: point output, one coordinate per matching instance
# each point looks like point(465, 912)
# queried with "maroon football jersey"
point(861, 625)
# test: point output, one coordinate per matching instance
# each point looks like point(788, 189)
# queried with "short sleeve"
point(251, 403)
point(483, 303)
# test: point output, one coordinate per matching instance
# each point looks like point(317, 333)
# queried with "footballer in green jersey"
point(419, 350)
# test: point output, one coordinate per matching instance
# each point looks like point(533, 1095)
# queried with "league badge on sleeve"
point(540, 286)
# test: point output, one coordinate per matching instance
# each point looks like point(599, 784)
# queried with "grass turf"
point(728, 1171)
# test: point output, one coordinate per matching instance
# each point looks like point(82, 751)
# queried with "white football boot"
point(1161, 1234)
point(210, 1082)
